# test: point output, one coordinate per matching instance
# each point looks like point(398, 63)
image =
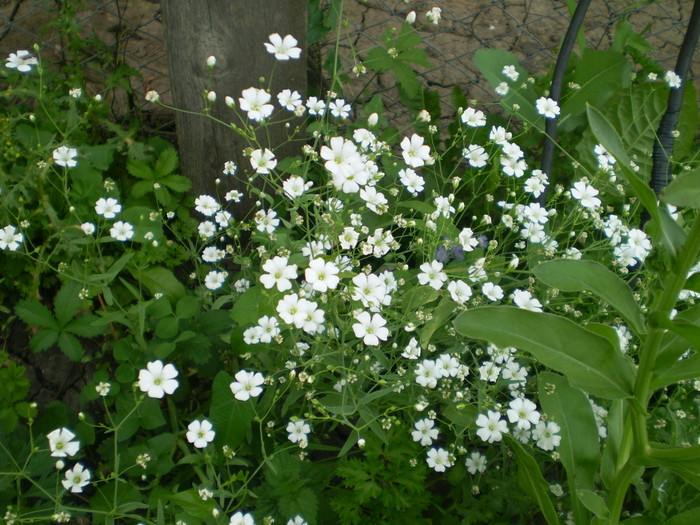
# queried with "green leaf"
point(85, 326)
point(407, 79)
point(571, 410)
point(167, 162)
point(673, 346)
point(532, 482)
point(43, 340)
point(441, 314)
point(689, 517)
point(67, 302)
point(491, 62)
point(588, 360)
point(70, 346)
point(680, 371)
point(231, 418)
point(36, 314)
point(160, 280)
point(593, 502)
point(611, 454)
point(177, 183)
point(378, 60)
point(577, 276)
point(689, 470)
point(139, 169)
point(684, 191)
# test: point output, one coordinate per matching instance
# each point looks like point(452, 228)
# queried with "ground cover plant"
point(412, 325)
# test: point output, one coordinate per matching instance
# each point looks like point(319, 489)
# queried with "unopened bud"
point(372, 119)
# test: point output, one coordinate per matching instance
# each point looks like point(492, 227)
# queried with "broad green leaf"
point(587, 359)
point(441, 314)
point(641, 520)
point(689, 517)
point(418, 297)
point(139, 169)
point(67, 302)
point(177, 183)
point(167, 162)
point(576, 276)
point(160, 280)
point(43, 340)
point(407, 79)
point(684, 191)
point(231, 418)
point(532, 482)
point(688, 331)
point(599, 74)
point(491, 62)
point(36, 314)
point(84, 326)
point(611, 453)
point(570, 409)
point(70, 346)
point(680, 371)
point(593, 502)
point(673, 346)
point(689, 470)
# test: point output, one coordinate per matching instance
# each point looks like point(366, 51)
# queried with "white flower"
point(108, 208)
point(65, 156)
point(475, 155)
point(523, 412)
point(298, 520)
point(502, 89)
point(546, 435)
point(375, 200)
point(412, 350)
point(438, 459)
point(673, 80)
point(22, 61)
point(491, 426)
point(316, 107)
point(206, 205)
point(348, 239)
point(10, 238)
point(76, 478)
point(413, 182)
point(230, 168)
point(299, 430)
point(200, 433)
point(547, 107)
point(88, 228)
point(255, 103)
point(263, 161)
point(370, 329)
point(102, 388)
point(241, 519)
point(288, 99)
point(247, 385)
point(279, 273)
point(152, 96)
point(524, 299)
point(322, 275)
point(428, 373)
point(339, 108)
point(434, 15)
point(121, 231)
point(266, 221)
point(432, 275)
point(473, 118)
point(585, 194)
point(212, 254)
point(75, 92)
point(476, 462)
point(283, 48)
point(415, 153)
point(459, 291)
point(215, 279)
point(60, 443)
point(424, 432)
point(158, 379)
point(510, 72)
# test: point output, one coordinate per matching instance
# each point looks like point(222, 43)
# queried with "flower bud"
point(372, 119)
point(211, 96)
point(230, 102)
point(411, 17)
point(211, 61)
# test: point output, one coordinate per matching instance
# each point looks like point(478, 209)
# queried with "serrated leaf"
point(587, 360)
point(167, 163)
point(177, 183)
point(67, 302)
point(70, 346)
point(36, 314)
point(85, 326)
point(576, 276)
point(139, 169)
point(378, 60)
point(43, 340)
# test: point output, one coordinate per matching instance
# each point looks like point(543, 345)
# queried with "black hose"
point(663, 145)
point(567, 47)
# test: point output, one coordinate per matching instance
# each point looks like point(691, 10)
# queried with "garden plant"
point(411, 324)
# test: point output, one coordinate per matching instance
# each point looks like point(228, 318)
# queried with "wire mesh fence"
point(531, 29)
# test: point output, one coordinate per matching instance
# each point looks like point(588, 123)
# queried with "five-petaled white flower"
point(158, 379)
point(547, 107)
point(370, 329)
point(247, 385)
point(279, 273)
point(10, 238)
point(322, 275)
point(491, 426)
point(60, 443)
point(242, 519)
point(299, 430)
point(425, 432)
point(473, 118)
point(547, 435)
point(585, 194)
point(108, 208)
point(263, 161)
point(255, 103)
point(200, 433)
point(415, 153)
point(22, 61)
point(476, 462)
point(432, 275)
point(65, 156)
point(438, 459)
point(283, 48)
point(215, 279)
point(76, 478)
point(121, 231)
point(523, 412)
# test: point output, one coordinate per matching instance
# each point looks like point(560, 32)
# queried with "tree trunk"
point(233, 31)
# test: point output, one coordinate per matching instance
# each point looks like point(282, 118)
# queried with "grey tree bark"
point(233, 31)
